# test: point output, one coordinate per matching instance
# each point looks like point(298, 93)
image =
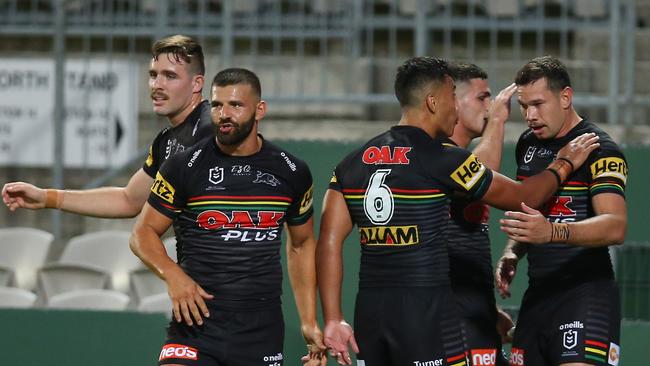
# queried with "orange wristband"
point(53, 198)
point(560, 232)
point(562, 167)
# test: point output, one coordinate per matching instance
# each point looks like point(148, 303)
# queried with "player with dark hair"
point(229, 198)
point(470, 263)
point(395, 188)
point(570, 313)
point(176, 78)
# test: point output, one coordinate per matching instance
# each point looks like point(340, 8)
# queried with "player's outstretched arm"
point(336, 224)
point(506, 267)
point(108, 202)
point(490, 149)
point(301, 263)
point(506, 194)
point(188, 298)
point(606, 227)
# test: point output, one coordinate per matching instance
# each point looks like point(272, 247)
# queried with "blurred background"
point(75, 112)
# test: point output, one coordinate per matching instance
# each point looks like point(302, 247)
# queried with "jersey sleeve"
point(463, 172)
point(302, 208)
point(335, 184)
point(152, 163)
point(607, 172)
point(167, 190)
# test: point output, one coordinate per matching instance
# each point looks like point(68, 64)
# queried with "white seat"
point(57, 278)
point(145, 283)
point(170, 247)
point(89, 300)
point(23, 250)
point(14, 297)
point(108, 250)
point(159, 303)
point(6, 276)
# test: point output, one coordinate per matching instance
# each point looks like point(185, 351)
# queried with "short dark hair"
point(415, 73)
point(548, 67)
point(464, 72)
point(234, 76)
point(182, 48)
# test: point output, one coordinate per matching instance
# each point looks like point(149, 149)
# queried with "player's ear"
point(566, 97)
point(430, 102)
point(197, 83)
point(260, 110)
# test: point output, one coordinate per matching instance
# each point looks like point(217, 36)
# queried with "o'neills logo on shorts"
point(389, 235)
point(178, 351)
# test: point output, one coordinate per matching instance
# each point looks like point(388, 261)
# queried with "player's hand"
point(528, 226)
point(338, 334)
point(500, 107)
point(504, 273)
point(579, 149)
point(504, 325)
point(316, 350)
point(188, 298)
point(23, 195)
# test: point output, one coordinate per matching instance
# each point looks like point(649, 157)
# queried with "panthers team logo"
point(266, 178)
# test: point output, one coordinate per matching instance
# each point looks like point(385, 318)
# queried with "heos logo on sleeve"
point(163, 189)
point(609, 167)
point(469, 172)
point(307, 200)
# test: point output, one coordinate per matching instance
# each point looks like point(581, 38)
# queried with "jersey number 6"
point(378, 202)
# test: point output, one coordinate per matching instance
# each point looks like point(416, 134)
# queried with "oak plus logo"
point(386, 155)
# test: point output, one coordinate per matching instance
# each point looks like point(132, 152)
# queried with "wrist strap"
point(562, 167)
point(573, 168)
point(557, 176)
point(560, 232)
point(53, 198)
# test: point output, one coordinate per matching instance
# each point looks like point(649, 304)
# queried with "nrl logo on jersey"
point(215, 175)
point(529, 154)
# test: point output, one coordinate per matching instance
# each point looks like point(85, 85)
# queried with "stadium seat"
point(6, 276)
point(89, 300)
point(13, 297)
point(59, 278)
point(24, 250)
point(159, 303)
point(106, 250)
point(145, 283)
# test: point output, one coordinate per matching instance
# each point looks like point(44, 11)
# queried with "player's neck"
point(417, 118)
point(570, 122)
point(180, 117)
point(249, 146)
point(461, 136)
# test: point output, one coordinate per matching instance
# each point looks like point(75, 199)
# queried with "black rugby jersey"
point(228, 214)
point(605, 171)
point(396, 188)
point(169, 141)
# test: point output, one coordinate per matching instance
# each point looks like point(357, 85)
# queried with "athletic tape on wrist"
point(53, 198)
point(560, 232)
